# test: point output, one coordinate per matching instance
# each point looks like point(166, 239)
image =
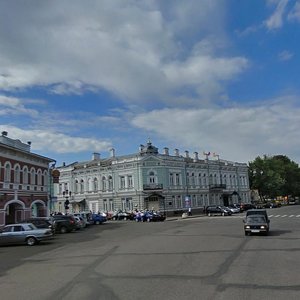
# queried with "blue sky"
point(78, 77)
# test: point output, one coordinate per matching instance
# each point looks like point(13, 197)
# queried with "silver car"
point(23, 233)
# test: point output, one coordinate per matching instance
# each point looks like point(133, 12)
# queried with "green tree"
point(274, 176)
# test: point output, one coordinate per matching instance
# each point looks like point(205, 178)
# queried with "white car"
point(24, 233)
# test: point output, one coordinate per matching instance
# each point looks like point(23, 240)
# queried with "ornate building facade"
point(24, 181)
point(150, 180)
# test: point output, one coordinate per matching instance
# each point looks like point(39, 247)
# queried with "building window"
point(39, 177)
point(152, 177)
point(110, 183)
point(32, 176)
point(111, 205)
point(7, 172)
point(171, 179)
point(81, 186)
point(122, 182)
point(17, 174)
point(105, 205)
point(25, 175)
point(103, 181)
point(130, 181)
point(127, 204)
point(177, 179)
point(95, 185)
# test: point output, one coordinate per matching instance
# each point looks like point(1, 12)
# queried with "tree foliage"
point(274, 176)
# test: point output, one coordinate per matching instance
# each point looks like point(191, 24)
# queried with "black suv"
point(41, 222)
point(64, 223)
point(217, 210)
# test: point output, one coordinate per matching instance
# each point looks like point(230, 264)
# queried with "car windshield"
point(256, 219)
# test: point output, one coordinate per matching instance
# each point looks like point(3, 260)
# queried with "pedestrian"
point(190, 211)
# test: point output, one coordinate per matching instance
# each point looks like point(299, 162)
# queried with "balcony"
point(217, 186)
point(153, 186)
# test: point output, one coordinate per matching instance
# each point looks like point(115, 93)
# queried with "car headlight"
point(262, 227)
point(247, 227)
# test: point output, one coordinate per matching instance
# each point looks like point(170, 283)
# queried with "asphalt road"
point(194, 258)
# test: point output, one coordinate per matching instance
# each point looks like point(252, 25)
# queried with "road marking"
point(291, 216)
point(283, 216)
point(297, 216)
point(277, 216)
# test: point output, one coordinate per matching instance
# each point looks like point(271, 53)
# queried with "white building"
point(149, 179)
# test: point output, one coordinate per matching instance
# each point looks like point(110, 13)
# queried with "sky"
point(218, 76)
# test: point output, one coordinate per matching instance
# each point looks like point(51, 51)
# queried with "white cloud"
point(285, 55)
point(14, 106)
point(132, 49)
point(236, 133)
point(56, 142)
point(275, 21)
point(295, 12)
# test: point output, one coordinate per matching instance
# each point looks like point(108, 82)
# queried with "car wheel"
point(114, 218)
point(148, 220)
point(63, 229)
point(125, 218)
point(31, 241)
point(97, 222)
point(223, 214)
point(209, 214)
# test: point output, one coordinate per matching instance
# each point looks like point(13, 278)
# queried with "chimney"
point(186, 154)
point(96, 156)
point(166, 151)
point(29, 143)
point(112, 152)
point(196, 157)
point(176, 152)
point(4, 133)
point(141, 148)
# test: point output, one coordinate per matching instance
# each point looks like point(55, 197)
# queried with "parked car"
point(64, 223)
point(97, 219)
point(234, 209)
point(122, 215)
point(217, 210)
point(24, 233)
point(79, 222)
point(41, 222)
point(85, 216)
point(246, 206)
point(256, 223)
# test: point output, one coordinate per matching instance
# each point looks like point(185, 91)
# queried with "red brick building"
point(24, 181)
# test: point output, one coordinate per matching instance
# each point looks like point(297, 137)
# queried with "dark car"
point(258, 212)
point(41, 222)
point(217, 210)
point(256, 223)
point(64, 223)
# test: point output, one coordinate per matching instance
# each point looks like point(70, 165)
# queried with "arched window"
point(76, 186)
point(95, 184)
point(45, 178)
point(39, 177)
point(7, 172)
point(17, 174)
point(110, 183)
point(81, 186)
point(103, 182)
point(25, 175)
point(32, 176)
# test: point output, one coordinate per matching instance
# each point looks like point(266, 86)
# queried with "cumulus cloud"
point(55, 142)
point(136, 50)
point(236, 133)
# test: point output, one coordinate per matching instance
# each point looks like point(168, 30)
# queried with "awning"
point(77, 201)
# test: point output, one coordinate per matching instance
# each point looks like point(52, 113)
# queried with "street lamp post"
point(67, 194)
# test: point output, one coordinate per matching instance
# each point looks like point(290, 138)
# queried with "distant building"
point(150, 180)
point(24, 181)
